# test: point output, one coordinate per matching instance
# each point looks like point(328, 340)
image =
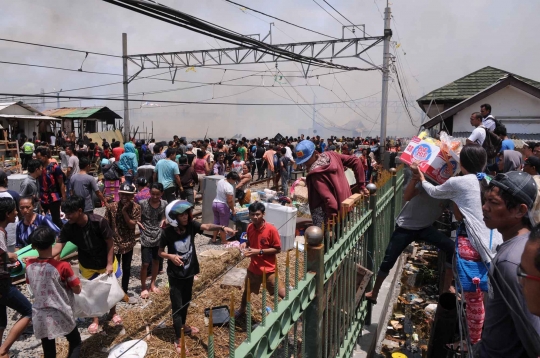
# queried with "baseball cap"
point(533, 162)
point(189, 146)
point(266, 142)
point(519, 184)
point(304, 151)
point(127, 189)
point(332, 147)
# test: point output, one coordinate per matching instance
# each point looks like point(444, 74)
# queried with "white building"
point(514, 100)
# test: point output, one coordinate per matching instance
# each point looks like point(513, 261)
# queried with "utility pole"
point(386, 70)
point(126, 103)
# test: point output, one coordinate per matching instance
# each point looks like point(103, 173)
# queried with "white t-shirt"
point(489, 123)
point(478, 135)
point(224, 188)
point(237, 166)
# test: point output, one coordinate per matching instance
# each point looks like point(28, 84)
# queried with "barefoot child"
point(53, 284)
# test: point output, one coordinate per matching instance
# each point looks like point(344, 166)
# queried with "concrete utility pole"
point(126, 103)
point(386, 62)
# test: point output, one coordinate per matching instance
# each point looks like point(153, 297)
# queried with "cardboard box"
point(432, 163)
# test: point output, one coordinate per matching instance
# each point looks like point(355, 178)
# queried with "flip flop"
point(192, 331)
point(117, 320)
point(145, 294)
point(93, 328)
point(371, 300)
point(179, 349)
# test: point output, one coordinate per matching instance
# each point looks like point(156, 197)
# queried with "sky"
point(434, 43)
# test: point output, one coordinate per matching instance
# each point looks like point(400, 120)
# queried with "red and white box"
point(431, 161)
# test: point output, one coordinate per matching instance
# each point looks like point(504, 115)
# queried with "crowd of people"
point(152, 186)
point(494, 262)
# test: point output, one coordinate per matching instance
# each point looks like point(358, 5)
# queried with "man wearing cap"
point(532, 165)
point(326, 181)
point(510, 330)
point(123, 217)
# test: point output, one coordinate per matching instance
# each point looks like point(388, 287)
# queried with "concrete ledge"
point(369, 340)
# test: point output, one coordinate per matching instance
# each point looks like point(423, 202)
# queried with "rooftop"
point(470, 85)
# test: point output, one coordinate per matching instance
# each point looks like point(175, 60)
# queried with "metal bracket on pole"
point(353, 30)
point(135, 75)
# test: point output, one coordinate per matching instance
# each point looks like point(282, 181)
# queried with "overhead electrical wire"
point(60, 48)
point(284, 21)
point(178, 18)
point(154, 100)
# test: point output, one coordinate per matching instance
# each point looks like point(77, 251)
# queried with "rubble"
point(409, 328)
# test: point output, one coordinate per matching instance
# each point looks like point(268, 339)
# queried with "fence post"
point(370, 251)
point(313, 324)
point(393, 171)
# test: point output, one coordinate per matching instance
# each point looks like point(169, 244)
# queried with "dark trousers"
point(401, 238)
point(74, 339)
point(169, 194)
point(54, 208)
point(125, 259)
point(25, 158)
point(180, 292)
point(187, 194)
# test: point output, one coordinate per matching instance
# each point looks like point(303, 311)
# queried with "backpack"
point(492, 144)
point(112, 172)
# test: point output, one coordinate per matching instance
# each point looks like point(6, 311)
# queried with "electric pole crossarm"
point(320, 50)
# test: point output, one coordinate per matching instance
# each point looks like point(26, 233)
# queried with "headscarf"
point(513, 160)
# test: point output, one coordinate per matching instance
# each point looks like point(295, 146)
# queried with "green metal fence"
point(323, 313)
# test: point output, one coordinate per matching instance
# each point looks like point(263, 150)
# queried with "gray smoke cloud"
point(438, 43)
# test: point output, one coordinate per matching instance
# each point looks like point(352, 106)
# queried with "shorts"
point(270, 173)
point(149, 254)
point(221, 214)
point(13, 298)
point(91, 274)
point(255, 282)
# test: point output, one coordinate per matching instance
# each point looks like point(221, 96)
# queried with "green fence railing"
point(324, 311)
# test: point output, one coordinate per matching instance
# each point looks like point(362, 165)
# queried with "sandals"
point(192, 331)
point(179, 349)
point(93, 328)
point(117, 320)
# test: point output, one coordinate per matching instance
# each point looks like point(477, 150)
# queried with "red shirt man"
point(262, 247)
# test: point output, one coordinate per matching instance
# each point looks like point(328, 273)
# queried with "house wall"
point(516, 109)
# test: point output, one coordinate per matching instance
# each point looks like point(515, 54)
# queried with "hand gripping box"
point(432, 163)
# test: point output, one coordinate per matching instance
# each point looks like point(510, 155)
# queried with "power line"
point(158, 101)
point(60, 48)
point(181, 19)
point(284, 21)
point(60, 68)
point(333, 8)
point(328, 12)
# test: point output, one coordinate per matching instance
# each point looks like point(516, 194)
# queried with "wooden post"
point(314, 314)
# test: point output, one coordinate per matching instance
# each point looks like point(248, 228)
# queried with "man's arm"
point(352, 162)
point(131, 222)
point(61, 184)
point(57, 248)
point(178, 182)
point(212, 227)
point(110, 255)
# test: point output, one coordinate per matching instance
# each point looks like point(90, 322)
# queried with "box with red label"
point(432, 163)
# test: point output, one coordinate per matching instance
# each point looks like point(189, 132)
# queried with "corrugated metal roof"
point(471, 84)
point(23, 116)
point(80, 112)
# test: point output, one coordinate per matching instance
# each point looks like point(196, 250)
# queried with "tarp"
point(111, 137)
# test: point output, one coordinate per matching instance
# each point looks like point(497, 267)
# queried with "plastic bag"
point(92, 301)
point(97, 296)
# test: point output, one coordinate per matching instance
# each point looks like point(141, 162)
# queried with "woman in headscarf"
point(128, 162)
point(509, 161)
